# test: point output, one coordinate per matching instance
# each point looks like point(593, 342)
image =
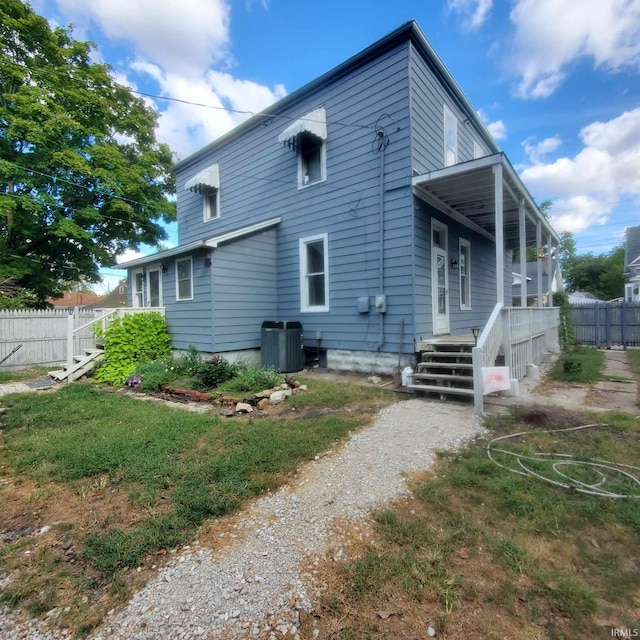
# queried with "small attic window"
point(207, 184)
point(307, 136)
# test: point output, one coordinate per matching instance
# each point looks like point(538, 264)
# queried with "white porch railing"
point(77, 337)
point(524, 335)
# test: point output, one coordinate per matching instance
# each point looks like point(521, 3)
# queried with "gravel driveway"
point(255, 584)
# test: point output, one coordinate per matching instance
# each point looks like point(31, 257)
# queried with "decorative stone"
point(227, 413)
point(374, 380)
point(277, 397)
point(263, 403)
point(244, 407)
point(303, 387)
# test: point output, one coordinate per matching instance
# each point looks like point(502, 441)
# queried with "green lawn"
point(142, 478)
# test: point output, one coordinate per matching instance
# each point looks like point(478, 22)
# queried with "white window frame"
point(137, 295)
point(478, 152)
point(323, 163)
point(209, 194)
point(464, 278)
point(177, 263)
point(305, 306)
point(450, 131)
point(150, 270)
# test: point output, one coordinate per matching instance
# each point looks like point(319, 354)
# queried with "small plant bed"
point(98, 489)
point(580, 364)
point(482, 552)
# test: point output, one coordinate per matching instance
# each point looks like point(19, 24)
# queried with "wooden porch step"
point(432, 388)
point(443, 376)
point(444, 365)
point(447, 354)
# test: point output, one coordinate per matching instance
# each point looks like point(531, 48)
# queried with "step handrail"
point(486, 351)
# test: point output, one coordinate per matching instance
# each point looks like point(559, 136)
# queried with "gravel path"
point(262, 576)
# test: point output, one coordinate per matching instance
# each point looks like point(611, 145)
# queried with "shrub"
point(152, 376)
point(215, 372)
point(130, 341)
point(190, 362)
point(253, 379)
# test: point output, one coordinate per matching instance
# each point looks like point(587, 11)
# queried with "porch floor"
point(461, 338)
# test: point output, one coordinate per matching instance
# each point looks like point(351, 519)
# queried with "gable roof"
point(632, 245)
point(75, 299)
point(532, 276)
point(408, 32)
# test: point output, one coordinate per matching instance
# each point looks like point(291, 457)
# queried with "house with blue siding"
point(371, 205)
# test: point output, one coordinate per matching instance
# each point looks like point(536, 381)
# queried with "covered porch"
point(487, 196)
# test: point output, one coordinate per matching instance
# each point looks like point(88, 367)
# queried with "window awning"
point(207, 178)
point(314, 122)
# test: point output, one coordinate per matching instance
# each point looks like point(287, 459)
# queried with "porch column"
point(497, 178)
point(523, 253)
point(539, 261)
point(549, 272)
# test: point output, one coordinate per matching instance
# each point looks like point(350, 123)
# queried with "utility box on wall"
point(281, 345)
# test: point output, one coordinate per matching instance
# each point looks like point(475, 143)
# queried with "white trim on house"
point(450, 137)
point(137, 292)
point(155, 268)
point(215, 241)
point(306, 276)
point(179, 261)
point(464, 273)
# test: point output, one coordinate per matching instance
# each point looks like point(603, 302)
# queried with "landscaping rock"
point(244, 407)
point(263, 403)
point(227, 413)
point(374, 380)
point(277, 397)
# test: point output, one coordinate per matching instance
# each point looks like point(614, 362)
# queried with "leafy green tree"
point(601, 275)
point(82, 177)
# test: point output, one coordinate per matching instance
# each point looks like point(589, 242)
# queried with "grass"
point(481, 552)
point(20, 375)
point(580, 364)
point(122, 482)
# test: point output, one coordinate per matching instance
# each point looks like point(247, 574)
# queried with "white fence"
point(40, 337)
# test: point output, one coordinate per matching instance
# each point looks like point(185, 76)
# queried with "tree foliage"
point(82, 177)
point(601, 275)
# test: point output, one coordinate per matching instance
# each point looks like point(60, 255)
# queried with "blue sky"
point(556, 81)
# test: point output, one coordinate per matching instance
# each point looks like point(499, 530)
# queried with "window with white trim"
point(311, 159)
point(464, 271)
point(138, 289)
point(211, 203)
point(477, 151)
point(450, 137)
point(314, 273)
point(184, 279)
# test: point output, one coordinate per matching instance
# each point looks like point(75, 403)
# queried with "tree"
point(600, 275)
point(82, 177)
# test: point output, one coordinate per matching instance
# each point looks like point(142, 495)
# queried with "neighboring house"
point(583, 297)
point(632, 265)
point(538, 282)
point(116, 298)
point(72, 299)
point(371, 205)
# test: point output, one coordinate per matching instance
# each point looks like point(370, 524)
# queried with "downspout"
point(383, 147)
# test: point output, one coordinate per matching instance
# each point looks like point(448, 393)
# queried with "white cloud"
point(182, 36)
point(187, 127)
point(535, 151)
point(550, 34)
point(587, 187)
point(472, 12)
point(497, 128)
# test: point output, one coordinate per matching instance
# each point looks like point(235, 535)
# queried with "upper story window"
point(450, 137)
point(184, 279)
point(314, 273)
point(464, 269)
point(207, 183)
point(307, 136)
point(477, 151)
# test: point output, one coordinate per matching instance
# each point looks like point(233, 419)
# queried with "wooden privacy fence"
point(42, 334)
point(607, 324)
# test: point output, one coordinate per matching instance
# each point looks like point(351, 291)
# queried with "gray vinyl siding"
point(245, 291)
point(258, 181)
point(482, 273)
point(428, 97)
point(189, 321)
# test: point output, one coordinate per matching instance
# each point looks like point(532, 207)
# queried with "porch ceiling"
point(468, 190)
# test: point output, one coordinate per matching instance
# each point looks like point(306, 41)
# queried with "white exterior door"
point(439, 278)
point(154, 287)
